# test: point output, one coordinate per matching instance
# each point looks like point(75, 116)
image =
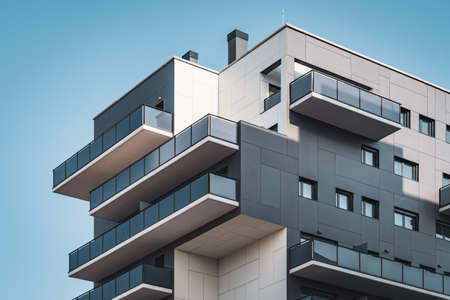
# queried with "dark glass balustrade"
point(271, 101)
point(156, 276)
point(343, 92)
point(207, 126)
point(143, 115)
point(444, 196)
point(207, 184)
point(355, 260)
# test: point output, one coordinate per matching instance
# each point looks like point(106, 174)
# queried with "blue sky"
point(62, 62)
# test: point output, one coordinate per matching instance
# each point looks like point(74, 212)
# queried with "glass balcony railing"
point(143, 115)
point(160, 277)
point(207, 126)
point(271, 101)
point(346, 93)
point(351, 259)
point(206, 184)
point(444, 196)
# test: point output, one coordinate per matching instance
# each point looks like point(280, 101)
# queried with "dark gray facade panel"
point(149, 92)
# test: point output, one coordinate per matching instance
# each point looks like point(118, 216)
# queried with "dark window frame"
point(431, 125)
point(375, 153)
point(376, 207)
point(447, 134)
point(444, 233)
point(314, 190)
point(404, 213)
point(413, 165)
point(405, 117)
point(446, 177)
point(349, 199)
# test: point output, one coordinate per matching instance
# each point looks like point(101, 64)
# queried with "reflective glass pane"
point(123, 128)
point(412, 276)
point(157, 118)
point(83, 157)
point(109, 290)
point(137, 171)
point(325, 85)
point(151, 215)
point(224, 129)
point(96, 197)
point(136, 224)
point(96, 294)
point(370, 264)
point(109, 240)
point(398, 168)
point(151, 161)
point(424, 127)
point(199, 187)
point(222, 186)
point(123, 232)
point(348, 258)
point(392, 270)
point(199, 130)
point(409, 222)
point(135, 277)
point(85, 296)
point(325, 252)
point(446, 285)
point(96, 247)
point(123, 283)
point(83, 254)
point(182, 197)
point(368, 158)
point(73, 260)
point(432, 281)
point(348, 94)
point(370, 102)
point(59, 174)
point(301, 87)
point(166, 207)
point(109, 188)
point(123, 180)
point(407, 171)
point(96, 147)
point(136, 119)
point(390, 110)
point(182, 141)
point(398, 219)
point(71, 165)
point(306, 190)
point(109, 138)
point(166, 151)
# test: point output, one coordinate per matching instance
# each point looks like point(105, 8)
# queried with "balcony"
point(190, 207)
point(143, 282)
point(200, 146)
point(139, 132)
point(326, 262)
point(271, 101)
point(444, 200)
point(343, 105)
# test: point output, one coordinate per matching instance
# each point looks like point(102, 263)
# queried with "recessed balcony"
point(138, 133)
point(345, 106)
point(143, 282)
point(444, 200)
point(328, 263)
point(190, 152)
point(190, 207)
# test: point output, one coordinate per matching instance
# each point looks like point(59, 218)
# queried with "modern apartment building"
point(302, 170)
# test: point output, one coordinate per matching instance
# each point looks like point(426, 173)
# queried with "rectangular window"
point(369, 156)
point(405, 117)
point(443, 231)
point(406, 219)
point(307, 188)
point(405, 168)
point(344, 200)
point(273, 89)
point(447, 134)
point(370, 208)
point(426, 125)
point(445, 179)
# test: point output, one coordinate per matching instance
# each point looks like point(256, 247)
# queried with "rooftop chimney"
point(191, 56)
point(237, 44)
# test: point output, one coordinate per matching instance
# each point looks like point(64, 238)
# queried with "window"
point(443, 231)
point(369, 156)
point(344, 200)
point(447, 134)
point(445, 179)
point(406, 219)
point(307, 188)
point(405, 117)
point(405, 168)
point(274, 127)
point(369, 208)
point(273, 89)
point(426, 125)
